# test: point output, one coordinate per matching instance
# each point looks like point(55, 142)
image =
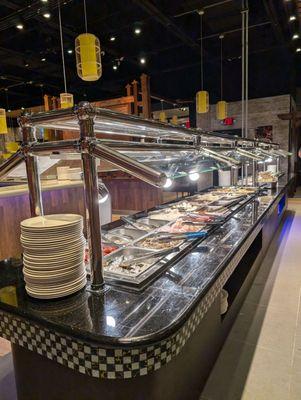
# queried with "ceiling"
point(30, 59)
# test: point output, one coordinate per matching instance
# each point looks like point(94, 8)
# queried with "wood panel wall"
point(14, 209)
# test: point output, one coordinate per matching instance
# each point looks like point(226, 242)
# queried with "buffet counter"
point(155, 343)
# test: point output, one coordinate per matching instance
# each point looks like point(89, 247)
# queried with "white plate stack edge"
point(53, 257)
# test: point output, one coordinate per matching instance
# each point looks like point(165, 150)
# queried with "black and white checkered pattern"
point(119, 363)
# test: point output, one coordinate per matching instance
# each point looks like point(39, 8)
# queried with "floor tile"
point(261, 358)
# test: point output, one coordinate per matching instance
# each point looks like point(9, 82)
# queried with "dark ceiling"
point(169, 41)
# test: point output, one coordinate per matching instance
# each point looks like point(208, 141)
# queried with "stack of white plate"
point(53, 255)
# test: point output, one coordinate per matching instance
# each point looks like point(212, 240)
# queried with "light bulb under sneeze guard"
point(103, 192)
point(168, 183)
point(194, 176)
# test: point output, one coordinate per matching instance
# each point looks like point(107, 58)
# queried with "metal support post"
point(254, 173)
point(87, 135)
point(32, 170)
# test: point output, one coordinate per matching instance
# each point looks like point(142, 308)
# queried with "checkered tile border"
point(109, 363)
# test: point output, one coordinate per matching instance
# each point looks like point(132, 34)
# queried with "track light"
point(70, 51)
point(142, 60)
point(112, 39)
point(168, 183)
point(115, 67)
point(298, 49)
point(46, 14)
point(292, 18)
point(295, 36)
point(20, 26)
point(43, 59)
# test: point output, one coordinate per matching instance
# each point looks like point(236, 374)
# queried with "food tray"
point(134, 233)
point(135, 280)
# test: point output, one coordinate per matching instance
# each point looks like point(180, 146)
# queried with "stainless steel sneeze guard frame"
point(89, 120)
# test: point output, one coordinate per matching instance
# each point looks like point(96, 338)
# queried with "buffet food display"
point(169, 154)
point(145, 245)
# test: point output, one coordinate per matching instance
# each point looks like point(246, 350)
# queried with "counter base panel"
point(182, 378)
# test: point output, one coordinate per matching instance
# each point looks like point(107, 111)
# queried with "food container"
point(127, 253)
point(126, 232)
point(155, 244)
point(153, 222)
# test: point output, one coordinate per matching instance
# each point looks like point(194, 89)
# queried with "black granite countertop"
point(122, 317)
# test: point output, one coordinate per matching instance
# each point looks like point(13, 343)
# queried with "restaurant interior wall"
point(262, 112)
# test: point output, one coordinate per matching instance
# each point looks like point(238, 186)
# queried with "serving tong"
point(160, 253)
point(138, 225)
point(166, 237)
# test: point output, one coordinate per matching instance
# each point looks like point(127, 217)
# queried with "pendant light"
point(3, 123)
point(66, 99)
point(221, 106)
point(174, 120)
point(162, 115)
point(88, 54)
point(202, 97)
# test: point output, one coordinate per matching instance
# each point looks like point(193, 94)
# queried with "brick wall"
point(262, 112)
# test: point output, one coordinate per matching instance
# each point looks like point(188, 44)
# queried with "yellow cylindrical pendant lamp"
point(174, 120)
point(88, 57)
point(66, 100)
point(3, 124)
point(202, 102)
point(12, 147)
point(162, 116)
point(221, 110)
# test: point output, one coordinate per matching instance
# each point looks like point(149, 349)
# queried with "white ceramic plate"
point(52, 289)
point(56, 295)
point(52, 246)
point(55, 221)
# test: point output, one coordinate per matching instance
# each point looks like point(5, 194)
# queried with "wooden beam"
point(135, 95)
point(145, 88)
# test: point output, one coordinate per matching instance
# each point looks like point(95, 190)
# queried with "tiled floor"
point(261, 358)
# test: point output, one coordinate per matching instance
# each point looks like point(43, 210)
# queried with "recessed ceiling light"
point(112, 38)
point(44, 1)
point(298, 49)
point(22, 108)
point(46, 15)
point(20, 26)
point(43, 59)
point(26, 64)
point(8, 110)
point(292, 18)
point(295, 36)
point(115, 67)
point(142, 60)
point(69, 51)
point(137, 31)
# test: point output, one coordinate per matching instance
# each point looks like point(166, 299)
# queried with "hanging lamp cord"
point(202, 67)
point(85, 15)
point(7, 108)
point(221, 68)
point(62, 46)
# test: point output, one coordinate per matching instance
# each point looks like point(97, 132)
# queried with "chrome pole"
point(87, 136)
point(32, 170)
point(254, 173)
point(278, 164)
